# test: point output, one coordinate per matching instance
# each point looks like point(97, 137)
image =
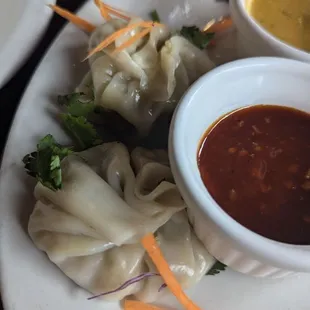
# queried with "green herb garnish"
point(154, 16)
point(216, 268)
point(197, 37)
point(75, 119)
point(81, 109)
point(44, 164)
point(81, 130)
point(67, 100)
point(75, 105)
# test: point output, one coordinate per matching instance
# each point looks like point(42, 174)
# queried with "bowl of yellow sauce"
point(272, 28)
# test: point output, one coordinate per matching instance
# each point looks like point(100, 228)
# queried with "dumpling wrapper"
point(112, 194)
point(91, 227)
point(187, 257)
point(147, 78)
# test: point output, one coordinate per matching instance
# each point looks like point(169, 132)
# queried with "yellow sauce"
point(288, 20)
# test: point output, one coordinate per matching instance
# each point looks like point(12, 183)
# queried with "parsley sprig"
point(75, 120)
point(44, 164)
point(81, 130)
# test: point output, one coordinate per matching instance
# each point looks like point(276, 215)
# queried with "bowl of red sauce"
point(239, 150)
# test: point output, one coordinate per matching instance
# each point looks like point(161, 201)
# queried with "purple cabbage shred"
point(128, 283)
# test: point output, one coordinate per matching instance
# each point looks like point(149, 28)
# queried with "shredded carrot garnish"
point(152, 248)
point(209, 24)
point(74, 19)
point(138, 305)
point(118, 12)
point(102, 9)
point(132, 40)
point(221, 25)
point(110, 39)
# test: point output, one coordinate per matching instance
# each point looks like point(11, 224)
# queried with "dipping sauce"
point(255, 162)
point(288, 20)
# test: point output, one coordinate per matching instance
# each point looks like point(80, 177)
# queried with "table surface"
point(12, 92)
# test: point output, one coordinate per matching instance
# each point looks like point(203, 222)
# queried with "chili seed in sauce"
point(255, 163)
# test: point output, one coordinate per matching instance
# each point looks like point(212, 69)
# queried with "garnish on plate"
point(81, 130)
point(103, 9)
point(110, 39)
point(129, 282)
point(154, 16)
point(110, 10)
point(75, 119)
point(152, 248)
point(200, 38)
point(44, 164)
point(216, 268)
point(218, 25)
point(75, 105)
point(196, 36)
point(74, 19)
point(138, 305)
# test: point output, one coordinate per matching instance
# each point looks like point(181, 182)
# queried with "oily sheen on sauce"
point(255, 162)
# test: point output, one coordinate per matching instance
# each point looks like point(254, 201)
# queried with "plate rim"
point(6, 161)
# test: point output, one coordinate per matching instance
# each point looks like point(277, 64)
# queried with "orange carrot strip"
point(209, 24)
point(223, 24)
point(132, 40)
point(120, 13)
point(74, 19)
point(116, 13)
point(107, 41)
point(138, 305)
point(102, 9)
point(152, 248)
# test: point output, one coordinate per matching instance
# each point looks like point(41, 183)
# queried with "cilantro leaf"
point(197, 37)
point(67, 100)
point(216, 268)
point(81, 130)
point(154, 16)
point(76, 105)
point(44, 164)
point(81, 109)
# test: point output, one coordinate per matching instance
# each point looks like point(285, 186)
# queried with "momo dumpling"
point(100, 214)
point(91, 228)
point(148, 77)
point(187, 257)
point(182, 63)
point(100, 187)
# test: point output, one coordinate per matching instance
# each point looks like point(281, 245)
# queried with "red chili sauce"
point(255, 162)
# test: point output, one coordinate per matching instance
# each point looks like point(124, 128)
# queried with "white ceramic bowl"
point(253, 40)
point(234, 85)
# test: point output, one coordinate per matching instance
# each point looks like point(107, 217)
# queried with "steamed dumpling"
point(187, 257)
point(100, 188)
point(147, 78)
point(91, 227)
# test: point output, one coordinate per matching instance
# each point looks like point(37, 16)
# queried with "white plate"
point(29, 279)
point(22, 23)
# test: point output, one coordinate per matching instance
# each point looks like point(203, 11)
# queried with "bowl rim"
point(278, 254)
point(261, 31)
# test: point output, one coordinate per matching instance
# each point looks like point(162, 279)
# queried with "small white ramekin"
point(253, 40)
point(231, 86)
